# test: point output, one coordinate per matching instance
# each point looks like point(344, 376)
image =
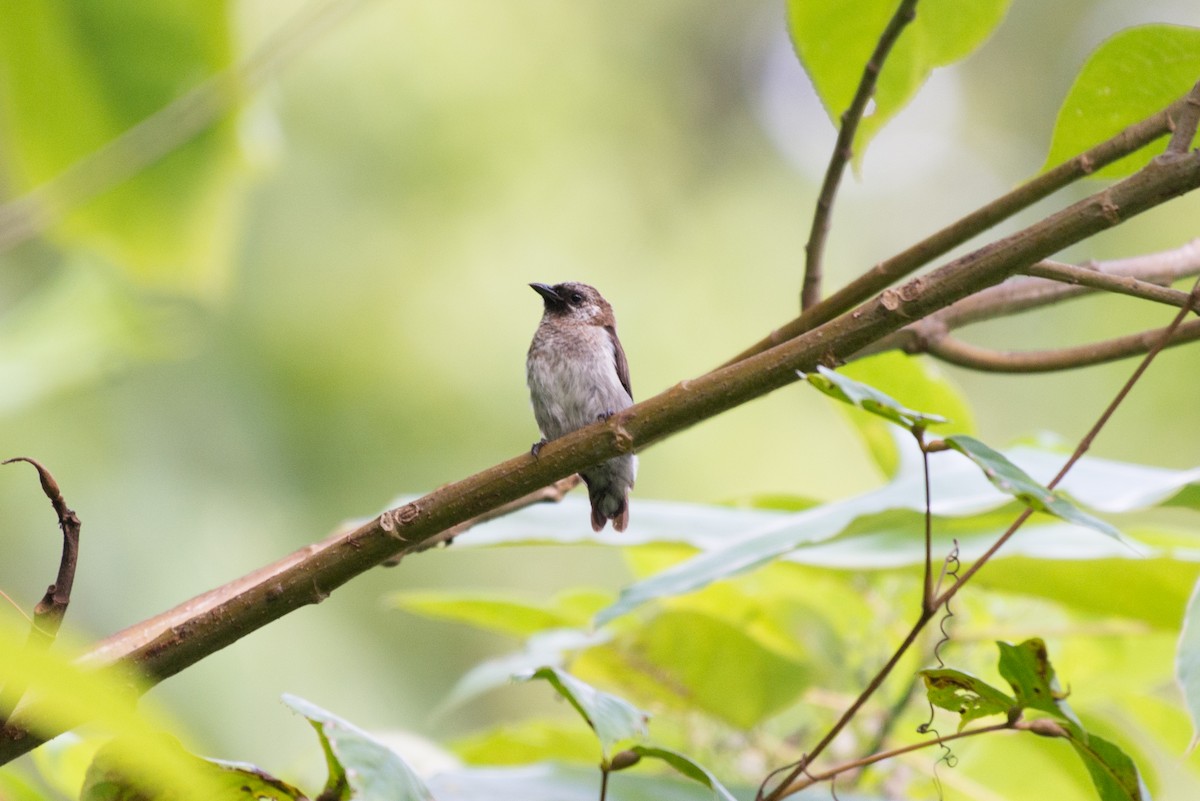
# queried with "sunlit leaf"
point(686, 767)
point(1129, 77)
point(60, 695)
point(502, 615)
point(834, 47)
point(15, 787)
point(359, 765)
point(108, 779)
point(672, 661)
point(964, 694)
point(869, 399)
point(77, 75)
point(529, 741)
point(557, 782)
point(1027, 668)
point(1010, 479)
point(1187, 662)
point(613, 719)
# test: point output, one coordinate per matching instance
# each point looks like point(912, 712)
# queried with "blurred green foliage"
point(320, 303)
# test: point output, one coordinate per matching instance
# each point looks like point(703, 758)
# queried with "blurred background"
point(320, 302)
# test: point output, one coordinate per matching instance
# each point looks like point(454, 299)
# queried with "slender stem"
point(1094, 279)
point(1186, 123)
point(603, 782)
point(813, 778)
point(843, 151)
point(955, 351)
point(801, 766)
point(927, 595)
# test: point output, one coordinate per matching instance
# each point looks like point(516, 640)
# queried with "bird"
point(577, 374)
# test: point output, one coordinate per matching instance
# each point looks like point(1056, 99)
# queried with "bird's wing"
point(622, 362)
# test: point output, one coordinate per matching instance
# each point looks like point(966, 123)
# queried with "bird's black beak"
point(547, 292)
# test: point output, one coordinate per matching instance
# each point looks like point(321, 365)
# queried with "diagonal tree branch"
point(843, 151)
point(197, 628)
point(887, 272)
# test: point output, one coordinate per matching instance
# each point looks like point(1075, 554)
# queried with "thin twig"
point(962, 354)
point(1021, 294)
point(49, 612)
point(1186, 123)
point(1094, 279)
point(813, 778)
point(843, 151)
point(887, 272)
point(165, 130)
point(927, 593)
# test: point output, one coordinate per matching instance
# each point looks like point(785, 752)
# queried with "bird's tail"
point(610, 501)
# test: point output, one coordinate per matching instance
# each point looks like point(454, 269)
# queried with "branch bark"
point(887, 272)
point(50, 611)
point(179, 638)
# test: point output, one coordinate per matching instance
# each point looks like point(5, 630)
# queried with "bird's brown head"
point(572, 302)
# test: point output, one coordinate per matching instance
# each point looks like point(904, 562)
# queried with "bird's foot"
point(537, 447)
point(605, 415)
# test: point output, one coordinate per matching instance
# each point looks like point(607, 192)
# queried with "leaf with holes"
point(1027, 668)
point(968, 696)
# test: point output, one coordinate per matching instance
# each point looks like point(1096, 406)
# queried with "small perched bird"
point(578, 374)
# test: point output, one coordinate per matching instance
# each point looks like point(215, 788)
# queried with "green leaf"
point(916, 379)
point(556, 782)
point(1187, 662)
point(1012, 480)
point(613, 719)
point(686, 767)
point(527, 742)
point(111, 778)
point(669, 659)
point(63, 762)
point(1027, 668)
point(834, 47)
point(1132, 75)
point(15, 787)
point(1113, 773)
point(75, 76)
point(359, 765)
point(964, 694)
point(869, 399)
point(502, 615)
point(60, 694)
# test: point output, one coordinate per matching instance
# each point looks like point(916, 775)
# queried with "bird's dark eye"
point(576, 298)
